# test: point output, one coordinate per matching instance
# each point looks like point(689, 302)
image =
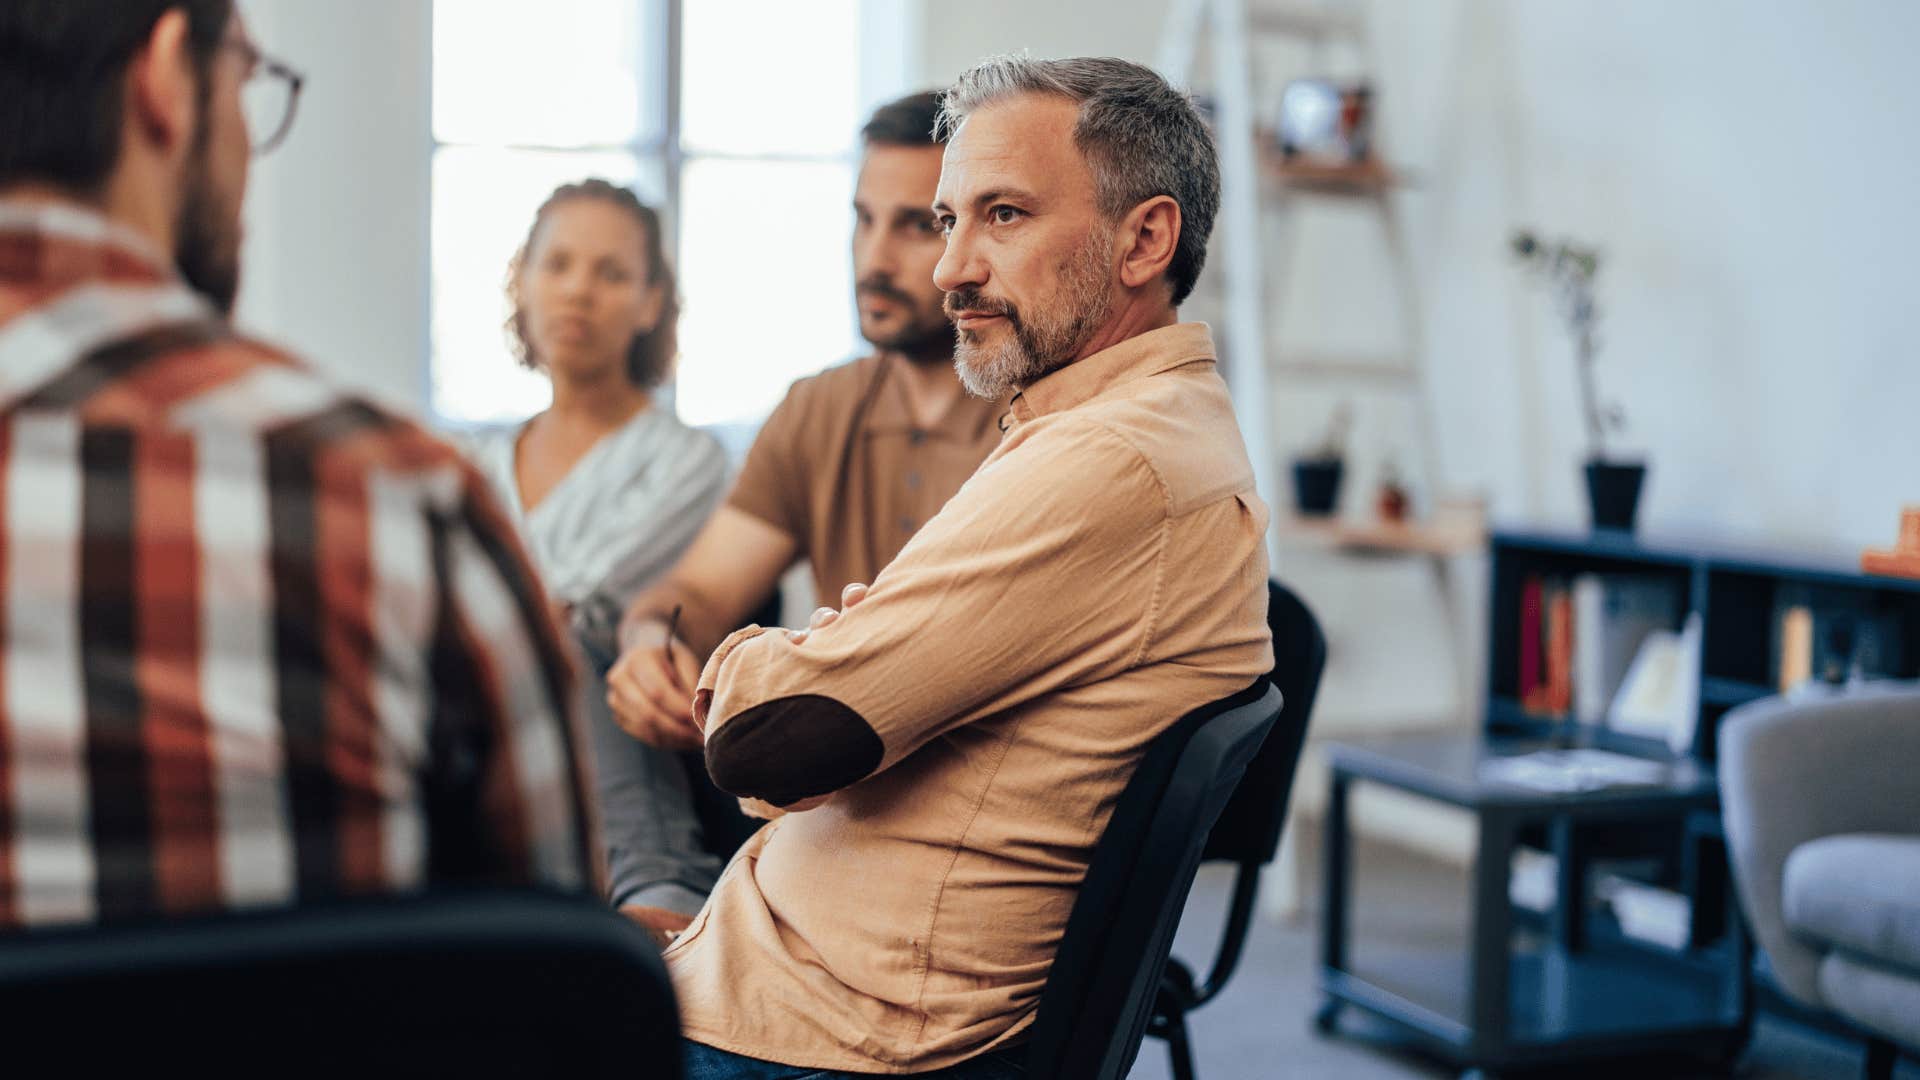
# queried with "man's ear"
point(1148, 236)
point(163, 87)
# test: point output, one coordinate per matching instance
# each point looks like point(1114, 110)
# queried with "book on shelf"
point(1580, 634)
point(1613, 616)
point(1530, 628)
point(1835, 636)
point(1660, 698)
point(1546, 649)
point(1795, 650)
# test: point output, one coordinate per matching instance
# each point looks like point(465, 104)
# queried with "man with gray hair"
point(948, 748)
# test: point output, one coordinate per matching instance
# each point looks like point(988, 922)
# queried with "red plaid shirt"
point(260, 641)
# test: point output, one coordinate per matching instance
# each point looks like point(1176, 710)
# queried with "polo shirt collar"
point(890, 413)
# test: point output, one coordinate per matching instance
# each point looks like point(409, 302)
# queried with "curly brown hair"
point(650, 357)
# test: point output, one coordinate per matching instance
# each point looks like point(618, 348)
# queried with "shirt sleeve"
point(1042, 572)
point(772, 484)
point(507, 784)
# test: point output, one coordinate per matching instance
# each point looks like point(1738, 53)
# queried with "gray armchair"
point(1822, 808)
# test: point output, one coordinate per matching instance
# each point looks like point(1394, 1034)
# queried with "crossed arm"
point(1041, 573)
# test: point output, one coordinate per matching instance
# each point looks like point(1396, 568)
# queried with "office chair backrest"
point(1248, 831)
point(1094, 1009)
point(471, 983)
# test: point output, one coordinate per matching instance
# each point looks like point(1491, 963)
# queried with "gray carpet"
point(1261, 1026)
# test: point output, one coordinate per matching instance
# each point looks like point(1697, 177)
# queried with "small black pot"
point(1613, 492)
point(1316, 486)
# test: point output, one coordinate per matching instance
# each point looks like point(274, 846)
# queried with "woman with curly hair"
point(609, 488)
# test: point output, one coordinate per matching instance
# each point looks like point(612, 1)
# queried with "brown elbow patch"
point(793, 748)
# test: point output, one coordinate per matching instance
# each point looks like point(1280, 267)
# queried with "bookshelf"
point(1603, 922)
point(1740, 595)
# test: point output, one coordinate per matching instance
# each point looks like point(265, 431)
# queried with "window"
point(750, 158)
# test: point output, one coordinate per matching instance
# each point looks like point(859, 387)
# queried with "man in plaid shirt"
point(261, 642)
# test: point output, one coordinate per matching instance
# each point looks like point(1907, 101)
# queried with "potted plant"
point(1317, 470)
point(1613, 484)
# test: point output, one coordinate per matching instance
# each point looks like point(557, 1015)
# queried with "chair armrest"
point(1794, 772)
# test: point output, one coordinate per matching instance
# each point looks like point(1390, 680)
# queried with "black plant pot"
point(1613, 492)
point(1316, 487)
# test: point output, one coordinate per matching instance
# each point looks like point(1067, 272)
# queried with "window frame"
point(662, 52)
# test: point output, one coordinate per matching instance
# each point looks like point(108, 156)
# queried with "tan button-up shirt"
point(976, 719)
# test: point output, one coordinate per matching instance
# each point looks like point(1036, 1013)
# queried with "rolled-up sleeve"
point(1042, 572)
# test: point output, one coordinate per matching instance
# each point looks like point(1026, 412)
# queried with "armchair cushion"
point(1795, 772)
point(1858, 893)
point(1876, 998)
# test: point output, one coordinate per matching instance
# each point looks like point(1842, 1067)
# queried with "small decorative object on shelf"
point(1904, 559)
point(1319, 119)
point(1613, 487)
point(1392, 502)
point(1317, 473)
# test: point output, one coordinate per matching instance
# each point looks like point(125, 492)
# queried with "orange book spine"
point(1560, 654)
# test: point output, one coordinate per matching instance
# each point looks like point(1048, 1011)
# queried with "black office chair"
point(1248, 832)
point(1098, 998)
point(484, 983)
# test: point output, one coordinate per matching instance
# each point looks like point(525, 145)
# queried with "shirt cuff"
point(710, 675)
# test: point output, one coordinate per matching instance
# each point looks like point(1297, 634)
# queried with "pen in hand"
point(666, 647)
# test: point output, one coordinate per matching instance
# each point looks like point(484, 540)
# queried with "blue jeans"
point(656, 855)
point(706, 1063)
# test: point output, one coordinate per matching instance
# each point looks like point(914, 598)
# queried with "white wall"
point(336, 253)
point(1749, 170)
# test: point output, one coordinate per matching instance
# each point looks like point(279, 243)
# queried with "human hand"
point(650, 689)
point(826, 616)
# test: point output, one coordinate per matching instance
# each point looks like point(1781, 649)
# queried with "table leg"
point(1338, 864)
point(1570, 903)
point(1492, 950)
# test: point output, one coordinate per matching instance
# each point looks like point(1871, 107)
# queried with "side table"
point(1537, 999)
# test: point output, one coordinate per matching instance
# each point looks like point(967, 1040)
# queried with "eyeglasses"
point(268, 96)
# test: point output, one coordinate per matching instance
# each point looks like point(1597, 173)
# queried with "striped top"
point(260, 641)
point(622, 515)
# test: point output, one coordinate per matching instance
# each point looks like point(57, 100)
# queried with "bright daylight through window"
point(755, 173)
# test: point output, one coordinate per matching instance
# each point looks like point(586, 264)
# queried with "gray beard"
point(1043, 345)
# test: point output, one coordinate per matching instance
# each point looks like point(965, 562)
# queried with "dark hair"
point(61, 91)
point(651, 355)
point(1140, 136)
point(909, 121)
